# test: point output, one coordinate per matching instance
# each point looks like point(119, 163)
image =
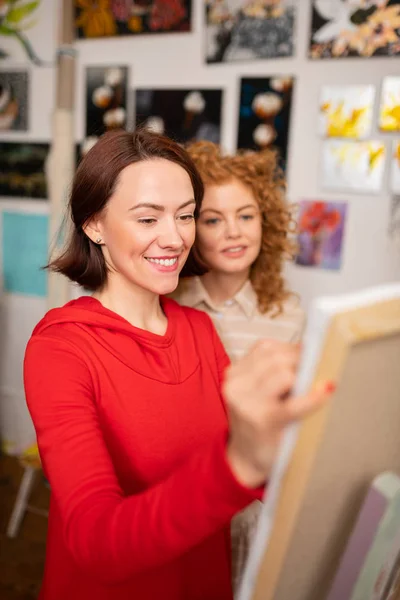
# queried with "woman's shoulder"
point(293, 316)
point(59, 329)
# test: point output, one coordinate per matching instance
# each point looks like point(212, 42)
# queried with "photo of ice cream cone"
point(264, 114)
point(106, 99)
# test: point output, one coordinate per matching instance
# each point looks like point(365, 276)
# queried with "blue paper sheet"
point(24, 252)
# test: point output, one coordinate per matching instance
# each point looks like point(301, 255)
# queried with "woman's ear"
point(92, 228)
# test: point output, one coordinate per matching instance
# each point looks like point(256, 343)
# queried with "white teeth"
point(165, 262)
point(238, 249)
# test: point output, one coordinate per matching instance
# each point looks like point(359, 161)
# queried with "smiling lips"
point(164, 263)
point(235, 251)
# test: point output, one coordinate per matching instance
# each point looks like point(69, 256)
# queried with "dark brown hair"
point(95, 181)
point(260, 172)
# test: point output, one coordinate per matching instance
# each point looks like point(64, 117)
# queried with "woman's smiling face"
point(147, 228)
point(229, 229)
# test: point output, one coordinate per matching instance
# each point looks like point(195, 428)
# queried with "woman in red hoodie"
point(125, 390)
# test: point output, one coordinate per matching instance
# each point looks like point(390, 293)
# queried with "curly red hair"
point(261, 173)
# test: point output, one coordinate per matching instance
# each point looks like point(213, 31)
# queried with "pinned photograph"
point(389, 111)
point(395, 168)
point(346, 111)
point(18, 20)
point(357, 166)
point(354, 28)
point(130, 17)
point(14, 99)
point(22, 172)
point(182, 114)
point(264, 114)
point(249, 29)
point(106, 101)
point(320, 234)
point(25, 248)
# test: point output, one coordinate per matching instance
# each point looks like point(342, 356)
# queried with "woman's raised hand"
point(257, 390)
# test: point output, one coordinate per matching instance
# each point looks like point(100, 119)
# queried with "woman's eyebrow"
point(159, 207)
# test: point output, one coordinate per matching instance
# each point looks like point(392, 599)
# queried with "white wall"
point(19, 314)
point(174, 60)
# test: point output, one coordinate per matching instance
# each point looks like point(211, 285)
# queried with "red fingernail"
point(330, 387)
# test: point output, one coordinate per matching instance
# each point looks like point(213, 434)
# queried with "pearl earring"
point(98, 240)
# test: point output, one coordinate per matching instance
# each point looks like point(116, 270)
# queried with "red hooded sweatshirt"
point(132, 433)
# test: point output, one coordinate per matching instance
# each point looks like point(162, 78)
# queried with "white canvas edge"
point(321, 312)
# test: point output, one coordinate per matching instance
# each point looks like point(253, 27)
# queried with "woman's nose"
point(170, 237)
point(232, 228)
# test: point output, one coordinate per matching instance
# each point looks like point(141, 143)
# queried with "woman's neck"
point(136, 305)
point(223, 286)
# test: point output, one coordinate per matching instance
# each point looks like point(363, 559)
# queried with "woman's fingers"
point(299, 407)
point(258, 391)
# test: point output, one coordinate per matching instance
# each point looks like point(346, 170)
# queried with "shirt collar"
point(194, 293)
point(247, 299)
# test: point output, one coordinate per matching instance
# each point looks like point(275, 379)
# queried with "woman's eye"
point(213, 221)
point(247, 217)
point(188, 217)
point(148, 221)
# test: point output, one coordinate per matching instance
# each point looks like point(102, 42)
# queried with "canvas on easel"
point(326, 466)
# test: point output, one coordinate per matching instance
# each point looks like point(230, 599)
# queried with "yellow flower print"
point(389, 118)
point(354, 154)
point(96, 18)
point(341, 123)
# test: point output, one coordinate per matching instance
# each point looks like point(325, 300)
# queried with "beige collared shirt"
point(238, 321)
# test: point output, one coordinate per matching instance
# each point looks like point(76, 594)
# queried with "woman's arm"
point(114, 536)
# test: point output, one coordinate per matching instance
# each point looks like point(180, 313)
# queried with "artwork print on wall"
point(109, 18)
point(22, 172)
point(354, 28)
point(346, 111)
point(16, 20)
point(106, 99)
point(320, 234)
point(264, 114)
point(248, 30)
point(24, 253)
point(182, 114)
point(14, 101)
point(349, 165)
point(389, 110)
